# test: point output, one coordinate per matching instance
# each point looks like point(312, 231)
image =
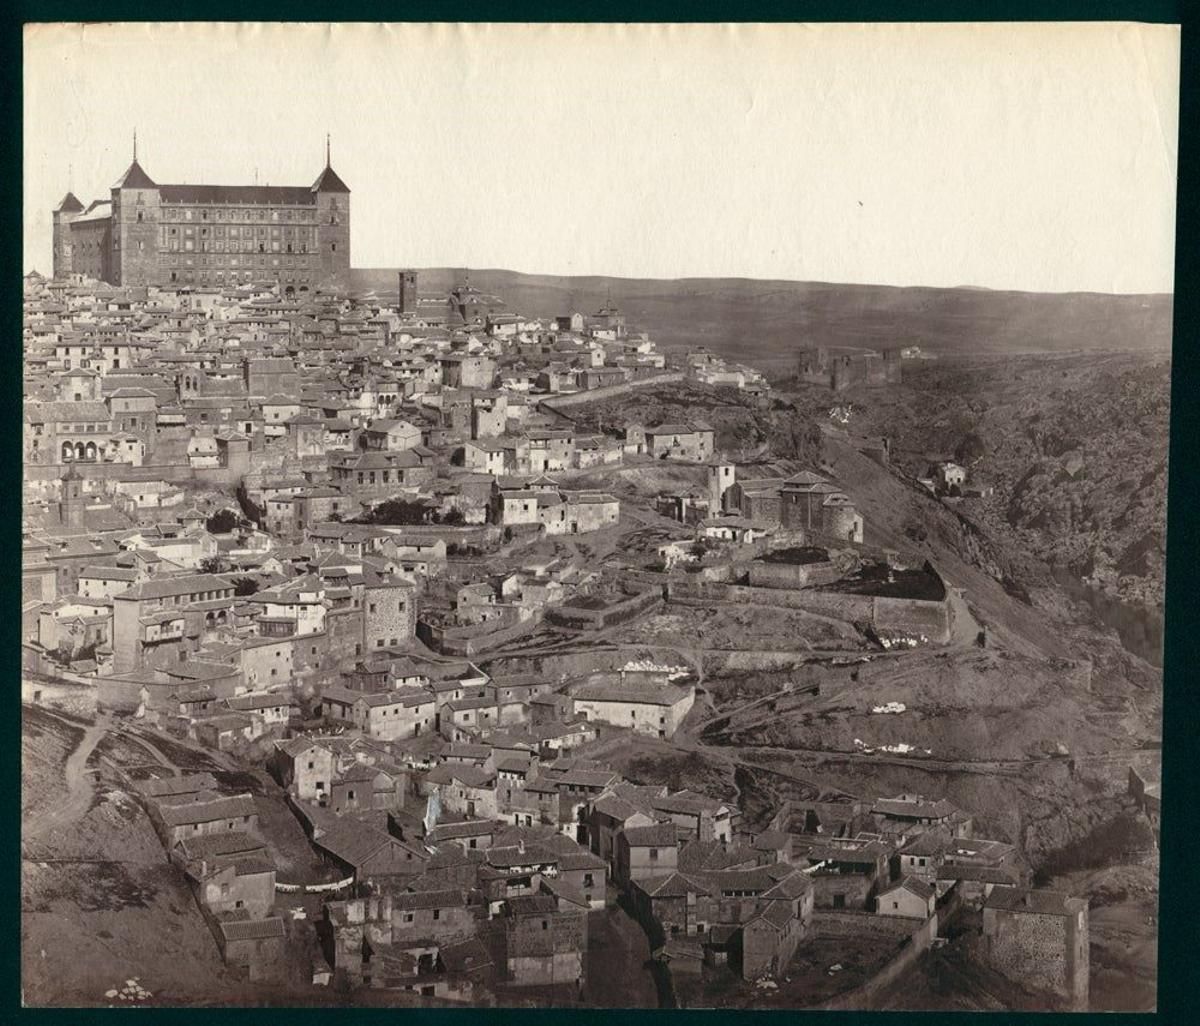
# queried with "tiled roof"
point(233, 807)
point(135, 178)
point(1018, 899)
point(329, 182)
point(660, 835)
point(190, 783)
point(252, 929)
point(292, 195)
point(69, 205)
point(453, 898)
point(353, 842)
point(910, 883)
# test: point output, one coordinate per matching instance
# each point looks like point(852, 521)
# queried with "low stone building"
point(204, 814)
point(649, 709)
point(255, 946)
point(907, 898)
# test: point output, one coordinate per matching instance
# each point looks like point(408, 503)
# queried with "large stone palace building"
point(152, 234)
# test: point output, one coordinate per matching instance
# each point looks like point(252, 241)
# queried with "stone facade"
point(545, 947)
point(389, 614)
point(153, 234)
point(1040, 939)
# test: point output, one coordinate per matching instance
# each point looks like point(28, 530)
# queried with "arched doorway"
point(68, 452)
point(290, 292)
point(89, 452)
point(80, 452)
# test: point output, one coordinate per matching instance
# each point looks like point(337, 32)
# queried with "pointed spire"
point(327, 162)
point(135, 145)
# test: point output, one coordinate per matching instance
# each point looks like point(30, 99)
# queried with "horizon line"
point(963, 287)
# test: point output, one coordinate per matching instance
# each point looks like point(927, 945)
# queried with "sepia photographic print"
point(595, 516)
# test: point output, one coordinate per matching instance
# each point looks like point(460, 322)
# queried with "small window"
point(437, 913)
point(545, 925)
point(653, 854)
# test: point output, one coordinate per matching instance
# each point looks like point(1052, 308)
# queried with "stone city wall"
point(74, 697)
point(608, 391)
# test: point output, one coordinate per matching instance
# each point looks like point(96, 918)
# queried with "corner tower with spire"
point(333, 218)
point(135, 220)
point(62, 216)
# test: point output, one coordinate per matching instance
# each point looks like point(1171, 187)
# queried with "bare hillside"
point(766, 322)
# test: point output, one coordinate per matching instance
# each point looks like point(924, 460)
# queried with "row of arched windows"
point(77, 451)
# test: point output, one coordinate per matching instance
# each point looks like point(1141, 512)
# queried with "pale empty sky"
point(1038, 157)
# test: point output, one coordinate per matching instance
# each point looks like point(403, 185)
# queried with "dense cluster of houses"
point(283, 526)
point(467, 843)
point(206, 452)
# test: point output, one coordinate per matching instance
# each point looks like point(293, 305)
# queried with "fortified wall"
point(554, 405)
point(930, 617)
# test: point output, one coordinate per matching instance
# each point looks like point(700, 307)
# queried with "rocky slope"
point(1074, 445)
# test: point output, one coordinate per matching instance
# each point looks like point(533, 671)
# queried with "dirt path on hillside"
point(79, 781)
point(148, 748)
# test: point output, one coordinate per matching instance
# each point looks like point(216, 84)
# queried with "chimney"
point(521, 846)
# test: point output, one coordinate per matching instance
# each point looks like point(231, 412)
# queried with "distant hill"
point(766, 322)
